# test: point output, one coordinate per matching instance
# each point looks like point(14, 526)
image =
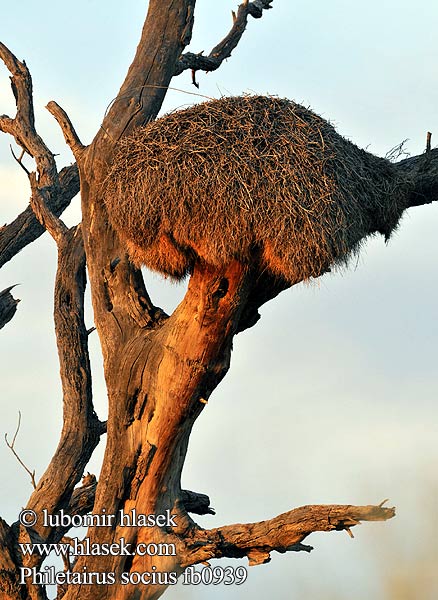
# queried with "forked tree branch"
point(25, 229)
point(58, 191)
point(22, 127)
point(284, 533)
point(11, 446)
point(57, 229)
point(223, 50)
point(81, 427)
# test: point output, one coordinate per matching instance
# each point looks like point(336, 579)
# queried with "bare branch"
point(26, 228)
point(223, 50)
point(19, 160)
point(70, 135)
point(81, 427)
point(47, 185)
point(11, 446)
point(397, 151)
point(22, 127)
point(8, 306)
point(57, 229)
point(282, 534)
point(196, 503)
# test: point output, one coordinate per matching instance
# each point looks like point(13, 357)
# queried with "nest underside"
point(258, 179)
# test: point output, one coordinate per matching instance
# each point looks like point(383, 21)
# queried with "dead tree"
point(160, 369)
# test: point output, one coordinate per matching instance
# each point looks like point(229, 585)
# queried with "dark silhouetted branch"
point(223, 50)
point(196, 503)
point(8, 306)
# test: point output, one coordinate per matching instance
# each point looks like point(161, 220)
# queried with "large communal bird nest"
point(258, 179)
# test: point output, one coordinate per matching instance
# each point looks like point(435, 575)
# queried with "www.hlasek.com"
point(76, 548)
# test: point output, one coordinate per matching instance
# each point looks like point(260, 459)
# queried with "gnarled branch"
point(26, 228)
point(57, 229)
point(283, 533)
point(81, 427)
point(70, 135)
point(22, 127)
point(223, 50)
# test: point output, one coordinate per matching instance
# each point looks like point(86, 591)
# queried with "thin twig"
point(397, 151)
point(20, 160)
point(162, 87)
point(12, 448)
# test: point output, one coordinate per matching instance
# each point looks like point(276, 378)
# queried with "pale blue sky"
point(332, 396)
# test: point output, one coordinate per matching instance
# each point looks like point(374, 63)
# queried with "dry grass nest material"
point(258, 179)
